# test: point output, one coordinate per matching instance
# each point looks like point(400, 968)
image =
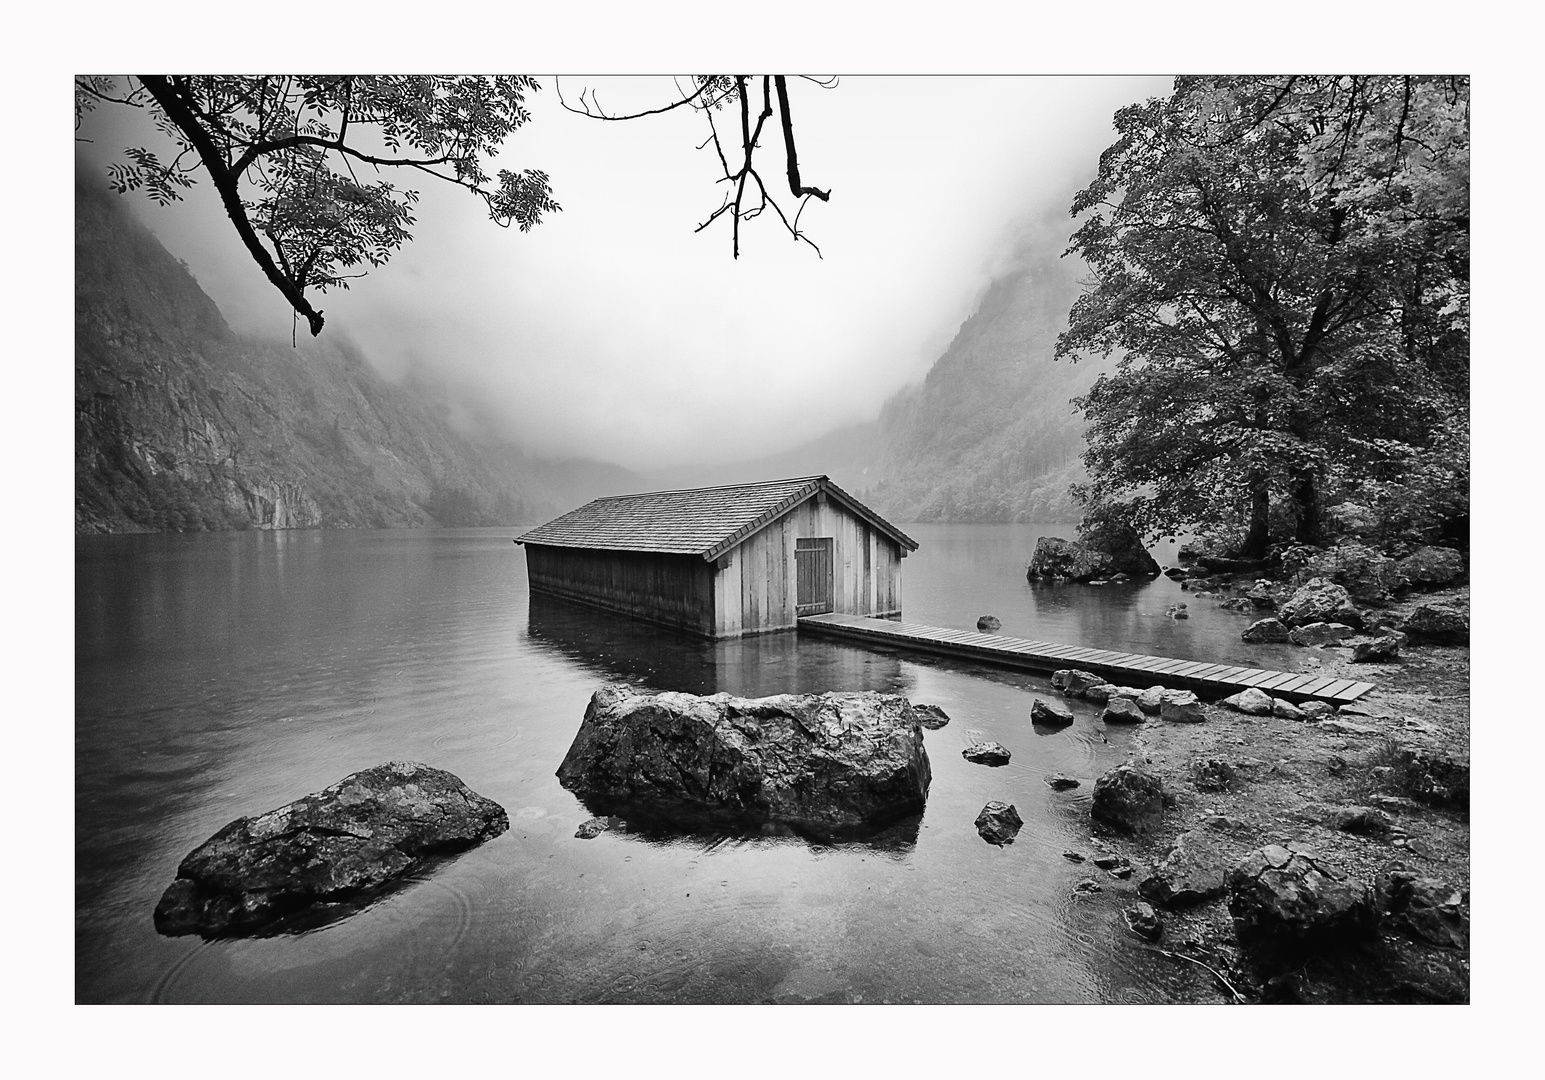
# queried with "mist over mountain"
point(990, 435)
point(181, 424)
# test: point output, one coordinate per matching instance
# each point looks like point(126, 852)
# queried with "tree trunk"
point(1305, 493)
point(1259, 537)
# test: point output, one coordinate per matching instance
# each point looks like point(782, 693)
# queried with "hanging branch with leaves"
point(285, 155)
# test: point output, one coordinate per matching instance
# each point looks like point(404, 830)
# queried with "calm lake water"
point(221, 675)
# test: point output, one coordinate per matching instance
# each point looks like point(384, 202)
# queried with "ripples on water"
point(222, 675)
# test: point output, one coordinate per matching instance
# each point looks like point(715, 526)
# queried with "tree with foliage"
point(286, 153)
point(1282, 267)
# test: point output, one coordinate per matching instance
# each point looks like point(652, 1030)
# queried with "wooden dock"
point(1126, 669)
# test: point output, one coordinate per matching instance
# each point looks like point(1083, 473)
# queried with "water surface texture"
point(220, 675)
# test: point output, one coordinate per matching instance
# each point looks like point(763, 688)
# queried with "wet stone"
point(998, 823)
point(987, 753)
point(1073, 856)
point(1050, 713)
point(930, 716)
point(592, 828)
point(1144, 921)
point(1058, 782)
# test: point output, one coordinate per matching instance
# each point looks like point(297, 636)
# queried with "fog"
point(613, 331)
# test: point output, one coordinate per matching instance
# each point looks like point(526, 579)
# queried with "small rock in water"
point(592, 828)
point(1144, 921)
point(988, 623)
point(999, 823)
point(1088, 885)
point(1059, 782)
point(1122, 710)
point(930, 716)
point(1050, 713)
point(988, 753)
point(1073, 856)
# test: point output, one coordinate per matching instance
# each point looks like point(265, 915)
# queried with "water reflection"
point(621, 649)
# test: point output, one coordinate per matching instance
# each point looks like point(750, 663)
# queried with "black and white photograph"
point(880, 539)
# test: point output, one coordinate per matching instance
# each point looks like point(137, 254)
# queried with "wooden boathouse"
point(724, 561)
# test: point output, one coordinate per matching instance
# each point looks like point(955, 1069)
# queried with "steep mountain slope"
point(989, 435)
point(183, 425)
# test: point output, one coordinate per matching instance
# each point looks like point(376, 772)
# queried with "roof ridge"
point(711, 487)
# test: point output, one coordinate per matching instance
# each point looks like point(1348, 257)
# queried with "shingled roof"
point(701, 521)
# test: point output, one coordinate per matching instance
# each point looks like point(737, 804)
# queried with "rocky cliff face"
point(182, 425)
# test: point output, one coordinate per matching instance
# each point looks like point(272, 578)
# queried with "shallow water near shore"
point(219, 675)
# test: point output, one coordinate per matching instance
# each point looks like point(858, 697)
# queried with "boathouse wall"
point(676, 590)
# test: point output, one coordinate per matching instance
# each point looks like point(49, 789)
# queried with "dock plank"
point(1045, 656)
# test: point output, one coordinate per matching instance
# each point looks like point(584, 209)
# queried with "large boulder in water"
point(1076, 560)
point(336, 846)
point(821, 763)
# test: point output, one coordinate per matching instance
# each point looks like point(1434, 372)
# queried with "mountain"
point(990, 434)
point(183, 425)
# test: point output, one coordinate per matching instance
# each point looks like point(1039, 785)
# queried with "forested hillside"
point(183, 425)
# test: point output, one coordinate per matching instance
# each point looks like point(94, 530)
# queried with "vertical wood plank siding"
point(866, 571)
point(677, 590)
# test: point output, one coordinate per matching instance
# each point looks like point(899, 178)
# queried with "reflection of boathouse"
point(724, 561)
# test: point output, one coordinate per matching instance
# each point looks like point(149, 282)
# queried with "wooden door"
point(813, 575)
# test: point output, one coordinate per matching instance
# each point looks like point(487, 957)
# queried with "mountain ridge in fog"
point(990, 434)
point(184, 425)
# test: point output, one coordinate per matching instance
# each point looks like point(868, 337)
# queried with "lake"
point(224, 674)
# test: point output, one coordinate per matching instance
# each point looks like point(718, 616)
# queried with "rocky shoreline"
point(1313, 855)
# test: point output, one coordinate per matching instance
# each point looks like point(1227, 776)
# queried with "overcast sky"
point(613, 331)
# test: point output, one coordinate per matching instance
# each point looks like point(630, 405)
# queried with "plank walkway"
point(1126, 669)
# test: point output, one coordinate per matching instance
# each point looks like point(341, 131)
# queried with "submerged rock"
point(820, 762)
point(999, 823)
point(986, 753)
point(1128, 798)
point(338, 845)
point(592, 828)
point(930, 716)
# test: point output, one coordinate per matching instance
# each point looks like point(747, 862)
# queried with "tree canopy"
point(1282, 267)
point(286, 154)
